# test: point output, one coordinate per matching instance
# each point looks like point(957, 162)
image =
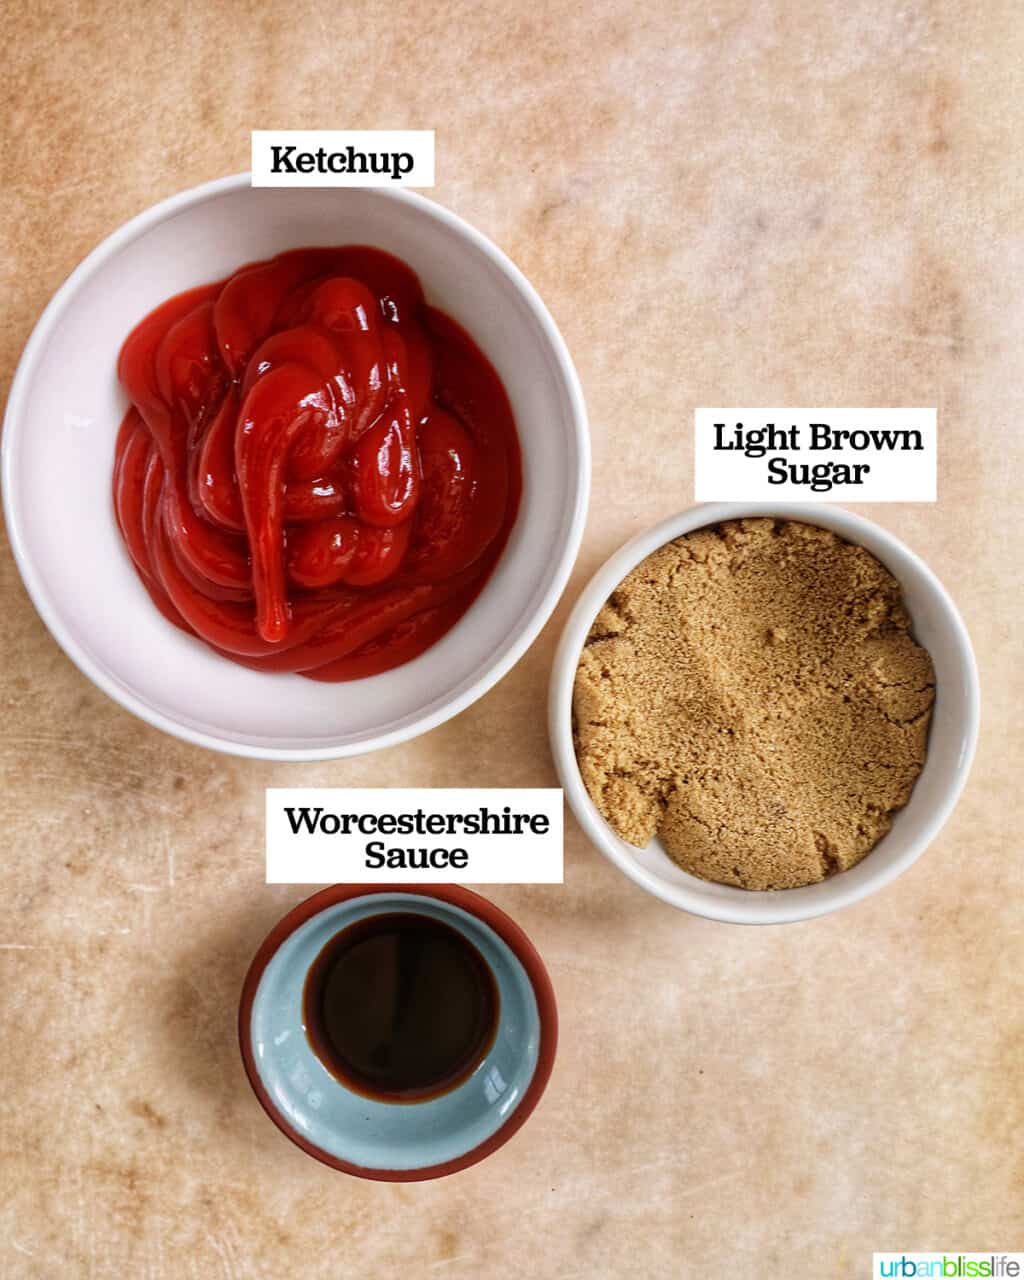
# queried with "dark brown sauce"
point(400, 1007)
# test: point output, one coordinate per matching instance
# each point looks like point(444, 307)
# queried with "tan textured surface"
point(731, 203)
point(751, 694)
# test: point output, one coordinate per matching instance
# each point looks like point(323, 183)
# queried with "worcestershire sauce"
point(400, 1007)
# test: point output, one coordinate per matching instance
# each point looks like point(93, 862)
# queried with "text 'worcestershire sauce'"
point(400, 1007)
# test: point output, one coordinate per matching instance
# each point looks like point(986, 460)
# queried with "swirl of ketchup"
point(318, 472)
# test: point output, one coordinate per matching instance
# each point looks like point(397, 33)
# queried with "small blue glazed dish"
point(385, 1140)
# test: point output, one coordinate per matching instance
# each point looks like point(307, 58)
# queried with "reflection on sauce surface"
point(400, 1007)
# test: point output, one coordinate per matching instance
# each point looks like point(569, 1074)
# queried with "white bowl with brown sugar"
point(763, 712)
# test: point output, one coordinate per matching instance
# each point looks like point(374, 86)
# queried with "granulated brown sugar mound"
point(751, 694)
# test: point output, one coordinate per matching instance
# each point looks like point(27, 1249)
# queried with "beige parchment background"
point(730, 202)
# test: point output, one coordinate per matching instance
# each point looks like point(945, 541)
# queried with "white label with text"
point(319, 835)
point(815, 455)
point(343, 158)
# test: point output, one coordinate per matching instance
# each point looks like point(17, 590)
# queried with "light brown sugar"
point(752, 695)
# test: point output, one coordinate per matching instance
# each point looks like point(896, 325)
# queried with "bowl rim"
point(48, 609)
point(755, 907)
point(473, 904)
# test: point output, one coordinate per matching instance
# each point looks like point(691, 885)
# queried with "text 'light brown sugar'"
point(751, 693)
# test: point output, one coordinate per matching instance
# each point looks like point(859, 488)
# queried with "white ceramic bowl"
point(954, 727)
point(58, 442)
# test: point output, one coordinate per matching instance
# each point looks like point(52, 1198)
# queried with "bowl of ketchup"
point(295, 474)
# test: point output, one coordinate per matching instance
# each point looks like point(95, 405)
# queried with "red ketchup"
point(318, 471)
